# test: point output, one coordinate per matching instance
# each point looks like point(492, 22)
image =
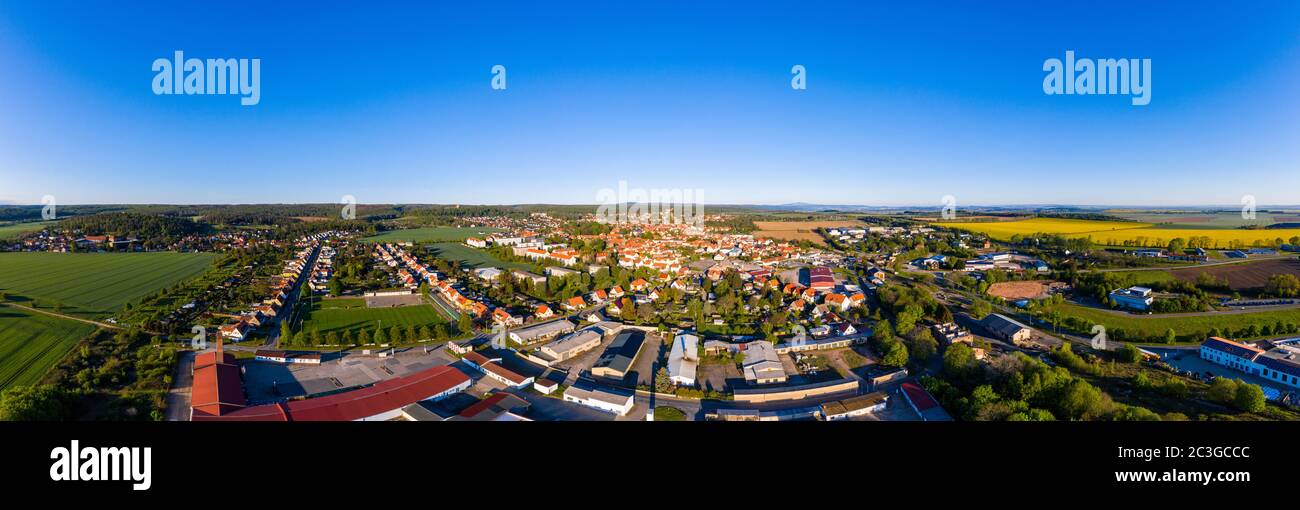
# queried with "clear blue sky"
point(905, 103)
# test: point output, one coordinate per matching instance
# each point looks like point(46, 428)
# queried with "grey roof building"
point(617, 359)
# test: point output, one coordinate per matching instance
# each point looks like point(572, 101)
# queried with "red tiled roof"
point(382, 397)
point(482, 405)
point(476, 358)
point(217, 388)
point(919, 397)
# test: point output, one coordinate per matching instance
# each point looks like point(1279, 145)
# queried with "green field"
point(94, 285)
point(351, 314)
point(1149, 277)
point(474, 257)
point(1154, 326)
point(31, 343)
point(431, 234)
point(13, 230)
point(1211, 219)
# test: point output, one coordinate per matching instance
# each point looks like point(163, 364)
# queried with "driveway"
point(178, 397)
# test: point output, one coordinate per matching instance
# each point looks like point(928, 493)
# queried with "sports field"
point(431, 234)
point(94, 285)
point(31, 343)
point(473, 257)
point(1119, 233)
point(351, 314)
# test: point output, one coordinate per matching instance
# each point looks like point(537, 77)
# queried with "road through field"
point(69, 317)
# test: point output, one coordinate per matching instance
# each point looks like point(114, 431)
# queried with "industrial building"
point(683, 359)
point(618, 358)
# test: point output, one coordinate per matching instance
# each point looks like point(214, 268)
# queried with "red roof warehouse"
point(820, 278)
point(217, 389)
point(375, 402)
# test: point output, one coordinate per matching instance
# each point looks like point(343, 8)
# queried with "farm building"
point(1007, 329)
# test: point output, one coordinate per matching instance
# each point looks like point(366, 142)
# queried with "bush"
point(1249, 398)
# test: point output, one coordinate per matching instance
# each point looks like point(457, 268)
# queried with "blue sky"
point(390, 102)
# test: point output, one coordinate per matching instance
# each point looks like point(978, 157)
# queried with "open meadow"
point(31, 343)
point(430, 234)
point(13, 230)
point(798, 230)
point(94, 285)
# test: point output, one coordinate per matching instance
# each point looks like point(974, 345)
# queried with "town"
point(553, 313)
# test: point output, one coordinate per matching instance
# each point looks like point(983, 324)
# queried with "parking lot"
point(1187, 359)
point(267, 381)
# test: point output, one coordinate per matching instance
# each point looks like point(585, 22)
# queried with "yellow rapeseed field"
point(1119, 233)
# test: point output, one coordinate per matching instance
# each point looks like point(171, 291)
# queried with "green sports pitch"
point(94, 285)
point(431, 234)
point(351, 314)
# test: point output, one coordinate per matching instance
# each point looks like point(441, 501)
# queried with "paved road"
point(178, 397)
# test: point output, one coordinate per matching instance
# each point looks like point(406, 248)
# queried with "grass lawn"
point(351, 314)
point(474, 257)
point(666, 413)
point(31, 343)
point(95, 285)
point(1150, 276)
point(13, 230)
point(431, 234)
point(1154, 326)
